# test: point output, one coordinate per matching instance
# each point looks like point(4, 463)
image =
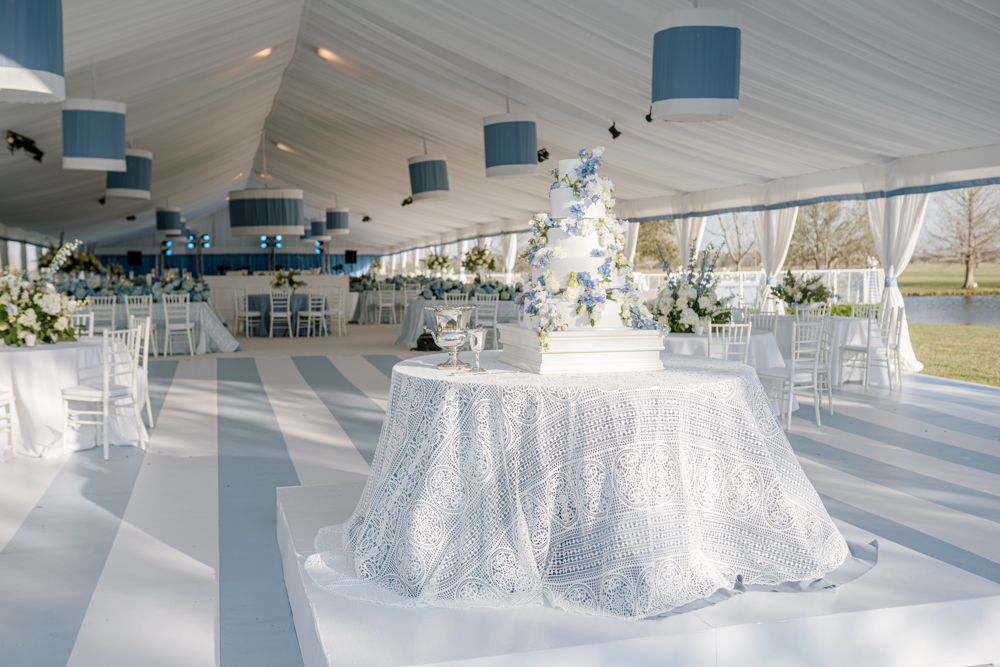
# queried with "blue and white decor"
point(317, 231)
point(134, 182)
point(696, 65)
point(511, 145)
point(93, 135)
point(266, 212)
point(428, 177)
point(337, 222)
point(31, 51)
point(168, 221)
point(306, 231)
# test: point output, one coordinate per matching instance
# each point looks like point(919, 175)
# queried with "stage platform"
point(910, 610)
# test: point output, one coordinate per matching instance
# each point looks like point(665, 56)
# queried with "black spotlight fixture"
point(649, 116)
point(130, 218)
point(543, 154)
point(615, 133)
point(407, 201)
point(17, 141)
point(367, 218)
point(102, 200)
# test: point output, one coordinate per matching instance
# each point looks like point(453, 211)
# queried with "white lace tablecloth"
point(37, 375)
point(624, 495)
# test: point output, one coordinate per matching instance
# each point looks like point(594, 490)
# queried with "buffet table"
point(620, 494)
point(846, 331)
point(416, 318)
point(37, 375)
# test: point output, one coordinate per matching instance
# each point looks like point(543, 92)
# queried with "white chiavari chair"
point(140, 307)
point(729, 341)
point(144, 326)
point(487, 312)
point(386, 301)
point(823, 366)
point(336, 309)
point(802, 371)
point(177, 321)
point(241, 307)
point(103, 308)
point(116, 395)
point(864, 309)
point(873, 353)
point(760, 321)
point(456, 299)
point(281, 309)
point(812, 315)
point(8, 419)
point(83, 322)
point(314, 316)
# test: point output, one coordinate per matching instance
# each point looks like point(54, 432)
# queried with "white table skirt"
point(621, 494)
point(846, 331)
point(210, 334)
point(416, 318)
point(763, 352)
point(367, 309)
point(37, 376)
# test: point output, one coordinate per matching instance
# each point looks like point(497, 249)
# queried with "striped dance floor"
point(170, 557)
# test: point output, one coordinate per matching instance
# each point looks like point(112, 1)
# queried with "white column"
point(774, 229)
point(463, 247)
point(631, 238)
point(896, 224)
point(509, 242)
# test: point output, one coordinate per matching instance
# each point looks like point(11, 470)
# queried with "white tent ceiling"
point(826, 85)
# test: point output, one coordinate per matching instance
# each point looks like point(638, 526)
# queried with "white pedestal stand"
point(582, 351)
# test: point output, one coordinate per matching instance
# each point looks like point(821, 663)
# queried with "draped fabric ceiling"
point(831, 91)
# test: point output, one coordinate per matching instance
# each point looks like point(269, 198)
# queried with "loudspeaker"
point(350, 257)
point(134, 258)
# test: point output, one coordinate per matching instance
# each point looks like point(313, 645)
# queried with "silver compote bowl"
point(451, 332)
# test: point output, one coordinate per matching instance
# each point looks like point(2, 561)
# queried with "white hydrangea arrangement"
point(35, 307)
point(690, 299)
point(590, 293)
point(479, 260)
point(808, 290)
point(439, 263)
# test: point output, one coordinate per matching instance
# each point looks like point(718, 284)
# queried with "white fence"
point(849, 285)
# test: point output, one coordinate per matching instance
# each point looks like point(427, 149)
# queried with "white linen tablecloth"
point(367, 309)
point(620, 494)
point(210, 334)
point(763, 352)
point(416, 318)
point(37, 375)
point(846, 331)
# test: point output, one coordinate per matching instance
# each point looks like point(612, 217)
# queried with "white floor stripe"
point(951, 407)
point(320, 450)
point(23, 481)
point(156, 603)
point(954, 473)
point(972, 533)
point(372, 382)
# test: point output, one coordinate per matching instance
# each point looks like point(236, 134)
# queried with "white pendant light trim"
point(87, 104)
point(21, 85)
point(130, 193)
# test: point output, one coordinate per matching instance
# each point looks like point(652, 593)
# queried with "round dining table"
point(37, 375)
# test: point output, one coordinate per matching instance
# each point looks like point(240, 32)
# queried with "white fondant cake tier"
point(577, 258)
point(562, 199)
point(610, 319)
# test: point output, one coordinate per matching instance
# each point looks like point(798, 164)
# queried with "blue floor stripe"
point(987, 403)
point(934, 490)
point(914, 443)
point(931, 416)
point(359, 416)
point(255, 619)
point(50, 567)
point(383, 362)
point(913, 539)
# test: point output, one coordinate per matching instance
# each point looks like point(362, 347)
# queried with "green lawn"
point(943, 279)
point(959, 352)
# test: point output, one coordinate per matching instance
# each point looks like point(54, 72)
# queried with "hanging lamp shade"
point(511, 145)
point(134, 181)
point(428, 177)
point(93, 135)
point(318, 230)
point(696, 64)
point(337, 222)
point(266, 212)
point(168, 221)
point(31, 51)
point(306, 231)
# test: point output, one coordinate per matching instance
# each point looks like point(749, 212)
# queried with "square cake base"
point(593, 351)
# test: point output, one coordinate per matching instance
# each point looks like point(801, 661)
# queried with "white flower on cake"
point(550, 282)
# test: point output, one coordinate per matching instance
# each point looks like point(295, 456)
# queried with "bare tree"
point(738, 237)
point(655, 243)
point(969, 228)
point(831, 235)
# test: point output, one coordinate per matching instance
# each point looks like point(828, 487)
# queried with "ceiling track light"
point(649, 116)
point(615, 132)
point(543, 154)
point(17, 141)
point(407, 201)
point(367, 218)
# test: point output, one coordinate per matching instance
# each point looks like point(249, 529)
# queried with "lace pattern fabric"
point(624, 495)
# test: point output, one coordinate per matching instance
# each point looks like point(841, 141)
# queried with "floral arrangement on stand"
point(591, 294)
point(35, 307)
point(286, 279)
point(479, 260)
point(438, 264)
point(689, 299)
point(809, 290)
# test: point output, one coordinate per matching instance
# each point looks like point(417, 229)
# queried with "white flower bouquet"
point(809, 290)
point(439, 263)
point(286, 279)
point(689, 299)
point(479, 260)
point(34, 307)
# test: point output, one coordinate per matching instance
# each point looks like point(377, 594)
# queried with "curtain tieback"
point(890, 282)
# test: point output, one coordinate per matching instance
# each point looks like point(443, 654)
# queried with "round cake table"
point(624, 495)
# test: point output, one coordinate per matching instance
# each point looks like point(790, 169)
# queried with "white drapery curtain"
point(384, 261)
point(690, 232)
point(774, 234)
point(393, 263)
point(509, 243)
point(463, 247)
point(896, 224)
point(631, 239)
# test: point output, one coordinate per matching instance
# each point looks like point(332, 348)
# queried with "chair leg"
point(65, 425)
point(104, 426)
point(143, 442)
point(190, 337)
point(149, 409)
point(817, 400)
point(868, 362)
point(791, 397)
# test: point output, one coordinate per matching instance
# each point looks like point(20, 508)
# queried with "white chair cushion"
point(83, 391)
point(181, 326)
point(783, 372)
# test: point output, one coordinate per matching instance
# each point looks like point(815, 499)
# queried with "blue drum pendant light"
point(31, 51)
point(428, 176)
point(266, 212)
point(511, 145)
point(696, 65)
point(306, 232)
point(337, 223)
point(317, 230)
point(93, 135)
point(134, 182)
point(168, 221)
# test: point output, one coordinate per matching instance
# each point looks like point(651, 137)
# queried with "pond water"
point(981, 310)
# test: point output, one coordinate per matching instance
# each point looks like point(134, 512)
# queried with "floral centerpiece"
point(689, 299)
point(479, 260)
point(590, 294)
point(439, 264)
point(808, 290)
point(197, 290)
point(374, 267)
point(36, 307)
point(286, 279)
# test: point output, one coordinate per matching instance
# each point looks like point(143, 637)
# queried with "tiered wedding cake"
point(581, 311)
